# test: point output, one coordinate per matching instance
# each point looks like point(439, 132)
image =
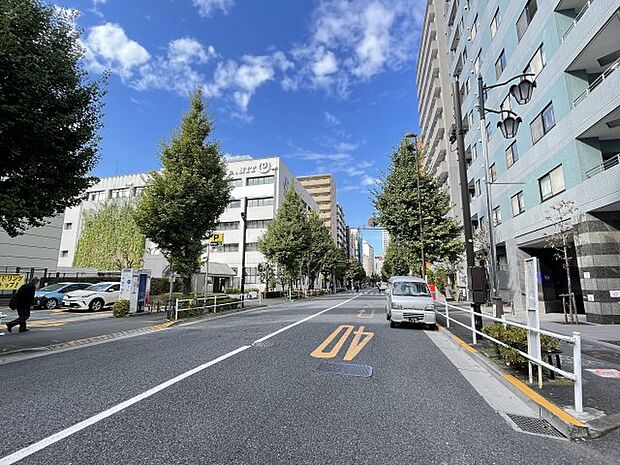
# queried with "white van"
point(409, 300)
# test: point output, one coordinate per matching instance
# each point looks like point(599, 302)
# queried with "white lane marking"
point(65, 433)
point(292, 325)
point(498, 396)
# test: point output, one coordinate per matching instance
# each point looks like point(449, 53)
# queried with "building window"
point(251, 247)
point(497, 216)
point(259, 180)
point(470, 119)
point(64, 253)
point(474, 152)
point(260, 202)
point(474, 29)
point(251, 275)
point(506, 107)
point(495, 23)
point(68, 226)
point(137, 191)
point(537, 63)
point(492, 173)
point(489, 135)
point(234, 204)
point(229, 248)
point(543, 123)
point(500, 64)
point(96, 196)
point(235, 183)
point(228, 226)
point(477, 64)
point(120, 193)
point(551, 183)
point(258, 224)
point(512, 154)
point(477, 188)
point(518, 206)
point(527, 15)
point(468, 85)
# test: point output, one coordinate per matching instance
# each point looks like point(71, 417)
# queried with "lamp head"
point(522, 92)
point(509, 126)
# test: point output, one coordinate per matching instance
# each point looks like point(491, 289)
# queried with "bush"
point(120, 308)
point(162, 285)
point(273, 294)
point(516, 338)
point(233, 290)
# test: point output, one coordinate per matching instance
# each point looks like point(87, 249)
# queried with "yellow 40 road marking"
point(360, 339)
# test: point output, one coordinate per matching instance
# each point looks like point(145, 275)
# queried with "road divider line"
point(67, 432)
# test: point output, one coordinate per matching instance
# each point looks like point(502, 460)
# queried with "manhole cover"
point(535, 426)
point(346, 369)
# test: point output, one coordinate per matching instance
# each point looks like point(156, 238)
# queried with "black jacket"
point(24, 297)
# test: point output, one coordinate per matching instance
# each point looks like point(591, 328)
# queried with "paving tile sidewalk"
point(599, 351)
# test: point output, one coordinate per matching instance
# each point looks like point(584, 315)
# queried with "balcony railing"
point(607, 164)
point(615, 65)
point(577, 18)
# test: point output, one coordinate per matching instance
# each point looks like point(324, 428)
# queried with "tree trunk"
point(187, 285)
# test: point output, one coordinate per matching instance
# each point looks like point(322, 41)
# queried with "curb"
point(568, 425)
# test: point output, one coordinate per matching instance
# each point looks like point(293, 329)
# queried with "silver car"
point(409, 300)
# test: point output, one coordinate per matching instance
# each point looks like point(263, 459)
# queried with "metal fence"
point(575, 340)
point(211, 305)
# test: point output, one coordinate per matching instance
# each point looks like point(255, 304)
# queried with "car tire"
point(51, 304)
point(96, 305)
point(432, 327)
point(392, 324)
point(387, 316)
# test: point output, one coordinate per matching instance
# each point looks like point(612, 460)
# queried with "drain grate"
point(535, 426)
point(346, 369)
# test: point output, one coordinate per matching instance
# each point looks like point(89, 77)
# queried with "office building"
point(567, 147)
point(322, 188)
point(260, 182)
point(385, 240)
point(355, 243)
point(341, 228)
point(368, 258)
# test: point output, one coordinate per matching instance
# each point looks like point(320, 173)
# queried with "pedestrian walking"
point(22, 301)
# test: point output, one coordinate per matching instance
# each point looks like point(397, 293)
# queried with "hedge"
point(516, 338)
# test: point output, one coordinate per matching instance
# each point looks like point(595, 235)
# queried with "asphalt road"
point(244, 389)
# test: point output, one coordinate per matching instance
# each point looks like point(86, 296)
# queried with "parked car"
point(51, 296)
point(409, 300)
point(94, 298)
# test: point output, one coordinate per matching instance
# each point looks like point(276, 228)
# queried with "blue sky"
point(329, 85)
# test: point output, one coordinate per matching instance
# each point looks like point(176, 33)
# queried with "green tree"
point(355, 272)
point(110, 238)
point(398, 208)
point(334, 263)
point(286, 239)
point(399, 260)
point(319, 248)
point(181, 204)
point(50, 113)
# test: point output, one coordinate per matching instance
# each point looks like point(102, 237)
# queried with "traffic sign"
point(216, 239)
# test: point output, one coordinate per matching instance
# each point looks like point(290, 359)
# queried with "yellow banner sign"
point(11, 282)
point(216, 239)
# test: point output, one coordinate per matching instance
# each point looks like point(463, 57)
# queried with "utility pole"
point(244, 228)
point(467, 229)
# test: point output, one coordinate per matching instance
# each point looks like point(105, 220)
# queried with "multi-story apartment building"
point(341, 228)
point(355, 244)
point(566, 149)
point(385, 240)
point(322, 188)
point(434, 81)
point(261, 183)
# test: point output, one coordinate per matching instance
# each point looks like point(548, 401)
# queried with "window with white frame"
point(474, 29)
point(258, 224)
point(551, 183)
point(495, 23)
point(235, 182)
point(264, 202)
point(526, 17)
point(68, 226)
point(477, 188)
point(518, 205)
point(497, 216)
point(256, 181)
point(500, 64)
point(477, 64)
point(251, 246)
point(251, 275)
point(492, 173)
point(512, 154)
point(233, 247)
point(228, 226)
point(537, 63)
point(543, 123)
point(234, 204)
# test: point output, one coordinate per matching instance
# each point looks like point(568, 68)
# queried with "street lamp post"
point(411, 135)
point(509, 125)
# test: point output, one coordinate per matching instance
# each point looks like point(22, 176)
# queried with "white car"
point(94, 298)
point(409, 300)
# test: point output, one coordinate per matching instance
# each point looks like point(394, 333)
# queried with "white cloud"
point(356, 40)
point(188, 50)
point(331, 119)
point(369, 180)
point(346, 147)
point(208, 7)
point(108, 47)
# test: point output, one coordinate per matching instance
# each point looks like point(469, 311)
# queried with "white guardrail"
point(210, 305)
point(575, 339)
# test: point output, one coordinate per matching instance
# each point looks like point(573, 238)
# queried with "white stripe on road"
point(54, 438)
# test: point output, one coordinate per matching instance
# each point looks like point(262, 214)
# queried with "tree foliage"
point(181, 204)
point(110, 239)
point(286, 239)
point(355, 272)
point(399, 260)
point(50, 113)
point(398, 209)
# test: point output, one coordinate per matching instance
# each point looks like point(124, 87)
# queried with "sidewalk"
point(600, 351)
